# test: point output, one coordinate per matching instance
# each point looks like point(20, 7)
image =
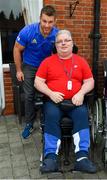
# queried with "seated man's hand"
point(78, 99)
point(56, 97)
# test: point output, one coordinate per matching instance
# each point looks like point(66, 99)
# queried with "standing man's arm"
point(17, 53)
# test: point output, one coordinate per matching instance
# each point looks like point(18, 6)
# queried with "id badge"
point(69, 85)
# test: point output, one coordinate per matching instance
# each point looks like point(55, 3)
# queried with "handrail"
point(2, 94)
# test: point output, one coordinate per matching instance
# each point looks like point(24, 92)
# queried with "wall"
point(8, 94)
point(81, 25)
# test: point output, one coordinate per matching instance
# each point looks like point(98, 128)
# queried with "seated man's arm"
point(40, 85)
point(87, 86)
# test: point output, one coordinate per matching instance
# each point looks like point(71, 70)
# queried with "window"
point(13, 16)
point(11, 21)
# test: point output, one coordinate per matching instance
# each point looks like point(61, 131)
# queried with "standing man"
point(33, 43)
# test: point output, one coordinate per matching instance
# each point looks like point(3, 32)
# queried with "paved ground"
point(20, 159)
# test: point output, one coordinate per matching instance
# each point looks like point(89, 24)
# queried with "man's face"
point(64, 44)
point(46, 24)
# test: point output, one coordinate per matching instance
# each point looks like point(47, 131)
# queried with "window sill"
point(6, 68)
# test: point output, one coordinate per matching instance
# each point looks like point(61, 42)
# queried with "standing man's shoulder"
point(30, 27)
point(54, 31)
point(27, 33)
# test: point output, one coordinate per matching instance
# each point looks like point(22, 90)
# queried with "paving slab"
point(20, 158)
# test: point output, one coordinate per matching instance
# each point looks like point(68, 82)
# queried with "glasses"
point(63, 41)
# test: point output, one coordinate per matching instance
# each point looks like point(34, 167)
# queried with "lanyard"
point(68, 74)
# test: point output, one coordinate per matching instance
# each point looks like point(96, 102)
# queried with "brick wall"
point(8, 94)
point(81, 25)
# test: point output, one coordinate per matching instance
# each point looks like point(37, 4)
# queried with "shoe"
point(27, 131)
point(85, 165)
point(49, 165)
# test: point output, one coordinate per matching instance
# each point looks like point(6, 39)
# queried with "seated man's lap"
point(79, 116)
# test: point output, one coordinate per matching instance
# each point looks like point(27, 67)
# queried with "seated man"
point(65, 76)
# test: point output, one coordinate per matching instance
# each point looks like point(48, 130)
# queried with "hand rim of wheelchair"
point(97, 121)
point(104, 157)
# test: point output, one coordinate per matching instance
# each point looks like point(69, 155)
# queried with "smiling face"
point(46, 24)
point(64, 45)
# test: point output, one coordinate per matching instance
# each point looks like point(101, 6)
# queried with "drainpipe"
point(96, 37)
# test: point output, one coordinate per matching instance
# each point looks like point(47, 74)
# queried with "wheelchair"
point(99, 121)
point(104, 116)
point(67, 146)
point(97, 109)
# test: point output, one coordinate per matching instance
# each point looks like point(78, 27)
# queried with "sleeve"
point(22, 37)
point(42, 70)
point(87, 73)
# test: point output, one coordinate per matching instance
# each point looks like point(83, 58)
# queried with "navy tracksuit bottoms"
point(52, 132)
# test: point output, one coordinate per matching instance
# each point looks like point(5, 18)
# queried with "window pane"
point(11, 21)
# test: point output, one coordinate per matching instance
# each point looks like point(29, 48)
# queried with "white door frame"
point(2, 94)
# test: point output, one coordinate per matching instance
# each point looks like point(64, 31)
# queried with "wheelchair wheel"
point(94, 123)
point(100, 120)
point(105, 134)
point(105, 157)
point(97, 121)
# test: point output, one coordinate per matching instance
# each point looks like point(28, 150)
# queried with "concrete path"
point(20, 159)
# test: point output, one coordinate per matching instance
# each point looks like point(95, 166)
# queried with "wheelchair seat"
point(67, 127)
point(66, 131)
point(66, 138)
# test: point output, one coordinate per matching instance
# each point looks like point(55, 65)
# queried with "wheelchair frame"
point(99, 120)
point(66, 129)
point(97, 114)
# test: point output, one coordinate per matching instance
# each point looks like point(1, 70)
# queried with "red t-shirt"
point(55, 71)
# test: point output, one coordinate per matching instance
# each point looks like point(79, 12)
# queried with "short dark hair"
point(48, 10)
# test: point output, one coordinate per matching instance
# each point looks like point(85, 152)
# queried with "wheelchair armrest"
point(38, 99)
point(89, 96)
point(91, 93)
point(66, 104)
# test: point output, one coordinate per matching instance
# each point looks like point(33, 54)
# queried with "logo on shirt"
point(34, 41)
point(75, 66)
point(18, 38)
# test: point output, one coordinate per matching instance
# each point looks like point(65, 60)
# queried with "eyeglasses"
point(63, 41)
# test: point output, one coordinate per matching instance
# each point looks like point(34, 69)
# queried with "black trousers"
point(29, 90)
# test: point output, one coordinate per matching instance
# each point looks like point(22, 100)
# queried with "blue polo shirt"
point(37, 47)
